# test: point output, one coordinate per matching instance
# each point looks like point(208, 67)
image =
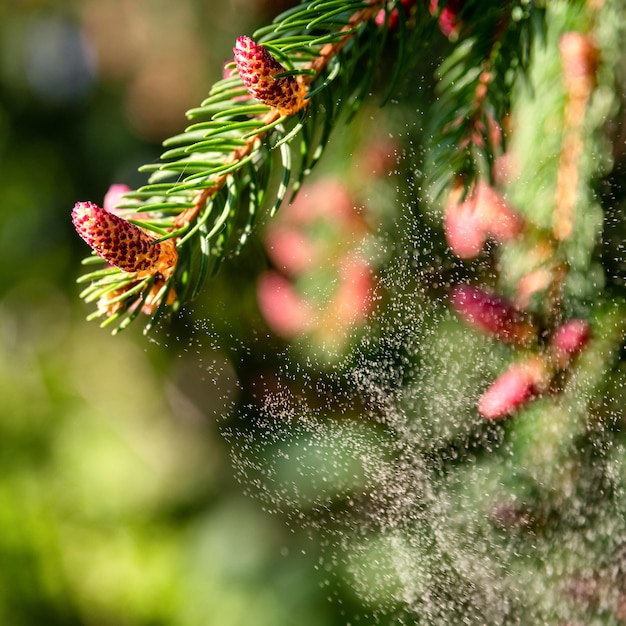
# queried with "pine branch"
point(475, 83)
point(313, 66)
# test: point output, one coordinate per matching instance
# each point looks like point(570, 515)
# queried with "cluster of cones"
point(471, 218)
point(533, 375)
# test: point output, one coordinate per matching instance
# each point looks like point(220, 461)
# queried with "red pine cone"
point(121, 243)
point(258, 68)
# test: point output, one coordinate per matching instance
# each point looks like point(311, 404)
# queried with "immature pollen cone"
point(519, 384)
point(258, 68)
point(483, 213)
point(121, 243)
point(568, 341)
point(492, 315)
point(449, 21)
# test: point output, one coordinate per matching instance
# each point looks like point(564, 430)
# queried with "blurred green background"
point(187, 478)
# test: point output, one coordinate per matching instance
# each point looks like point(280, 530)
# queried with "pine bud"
point(568, 341)
point(449, 21)
point(282, 307)
point(393, 21)
point(492, 315)
point(520, 383)
point(483, 213)
point(122, 243)
point(258, 68)
point(498, 218)
point(463, 226)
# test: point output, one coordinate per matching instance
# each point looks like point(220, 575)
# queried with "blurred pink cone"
point(520, 383)
point(326, 198)
point(113, 196)
point(483, 213)
point(284, 311)
point(289, 248)
point(295, 241)
point(497, 217)
point(492, 315)
point(122, 243)
point(568, 341)
point(449, 22)
point(463, 228)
